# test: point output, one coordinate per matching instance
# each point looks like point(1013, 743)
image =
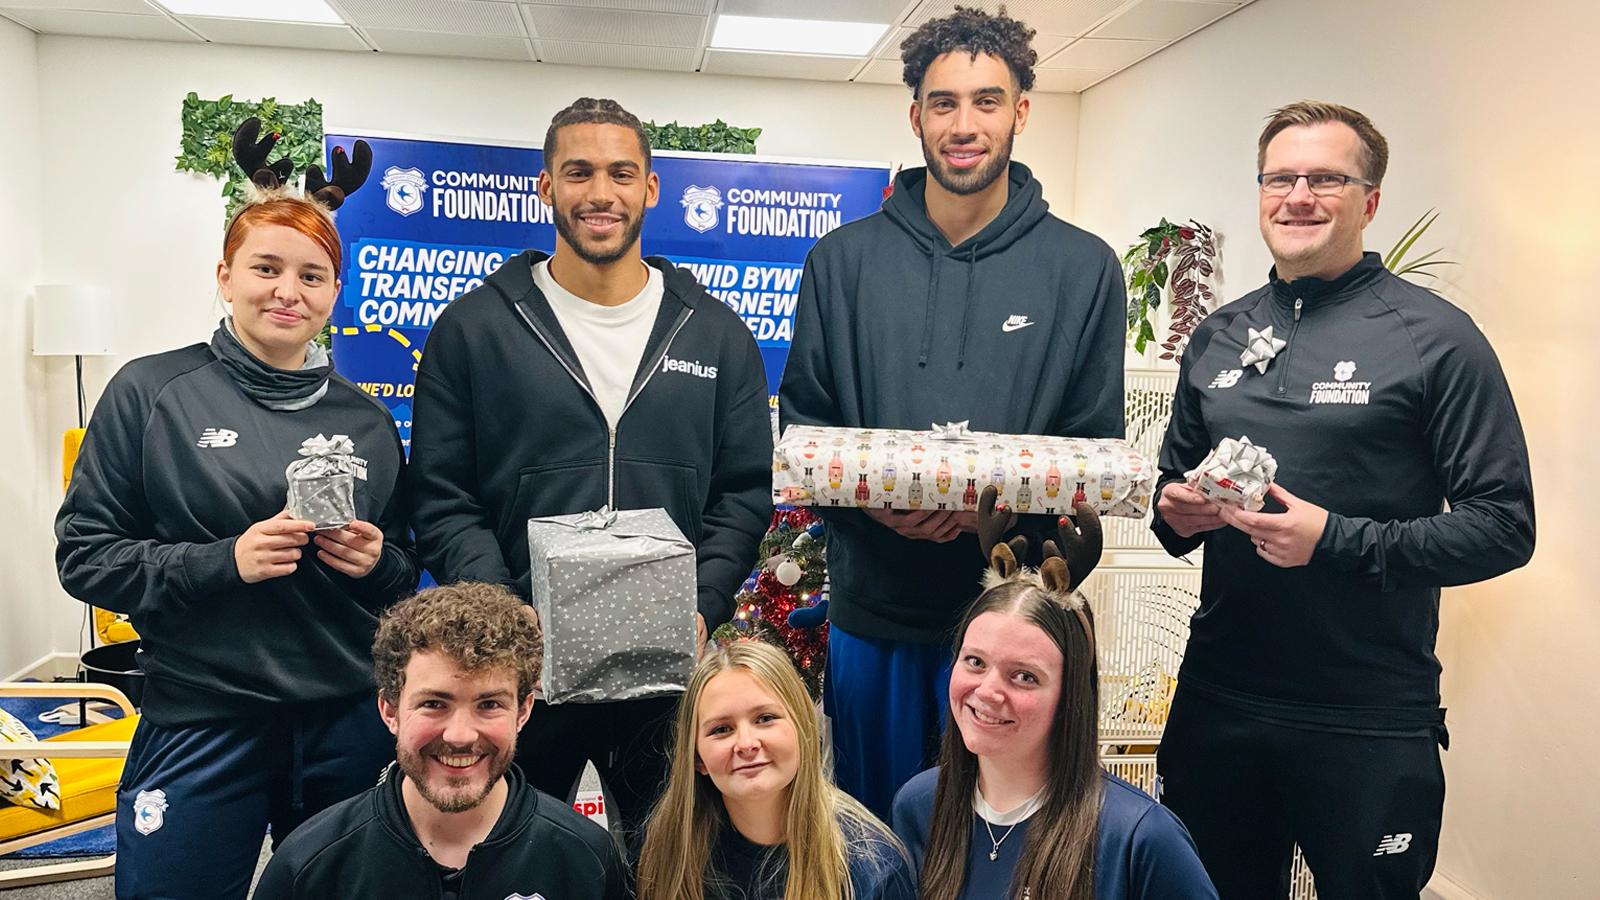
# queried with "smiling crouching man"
point(453, 818)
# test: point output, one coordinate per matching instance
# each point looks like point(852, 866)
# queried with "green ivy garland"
point(208, 127)
point(718, 137)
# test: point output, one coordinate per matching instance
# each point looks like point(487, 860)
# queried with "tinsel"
point(763, 608)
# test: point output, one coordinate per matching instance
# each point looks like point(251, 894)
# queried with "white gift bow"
point(953, 431)
point(596, 519)
point(1261, 349)
point(1241, 458)
point(319, 446)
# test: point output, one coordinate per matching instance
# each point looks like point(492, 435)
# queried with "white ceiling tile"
point(131, 7)
point(1067, 81)
point(882, 71)
point(1069, 17)
point(780, 65)
point(1096, 53)
point(885, 11)
point(98, 24)
point(1163, 20)
point(433, 43)
point(276, 34)
point(621, 56)
point(681, 7)
point(1043, 43)
point(606, 26)
point(450, 16)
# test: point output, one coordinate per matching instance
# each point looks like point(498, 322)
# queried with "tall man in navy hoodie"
point(963, 299)
point(592, 378)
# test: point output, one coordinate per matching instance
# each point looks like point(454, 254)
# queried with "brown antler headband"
point(1068, 560)
point(349, 174)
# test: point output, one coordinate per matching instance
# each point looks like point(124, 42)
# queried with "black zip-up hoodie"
point(505, 428)
point(177, 463)
point(1018, 330)
point(1386, 402)
point(366, 847)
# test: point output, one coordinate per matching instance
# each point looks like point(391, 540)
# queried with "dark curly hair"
point(588, 110)
point(480, 626)
point(972, 31)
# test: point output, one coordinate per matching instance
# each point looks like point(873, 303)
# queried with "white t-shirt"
point(609, 340)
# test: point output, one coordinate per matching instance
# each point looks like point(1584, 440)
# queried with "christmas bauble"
point(788, 572)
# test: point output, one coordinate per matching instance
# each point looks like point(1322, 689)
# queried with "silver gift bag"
point(616, 597)
point(322, 487)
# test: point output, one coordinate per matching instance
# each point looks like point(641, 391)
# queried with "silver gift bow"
point(1261, 349)
point(953, 431)
point(1243, 460)
point(319, 446)
point(596, 519)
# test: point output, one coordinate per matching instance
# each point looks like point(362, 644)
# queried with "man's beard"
point(415, 767)
point(963, 182)
point(568, 229)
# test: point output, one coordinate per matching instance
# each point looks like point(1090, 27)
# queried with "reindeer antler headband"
point(1068, 559)
point(250, 151)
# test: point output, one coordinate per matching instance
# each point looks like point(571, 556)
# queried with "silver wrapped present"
point(616, 597)
point(1236, 473)
point(322, 487)
point(948, 466)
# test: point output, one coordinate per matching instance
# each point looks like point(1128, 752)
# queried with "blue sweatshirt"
point(1143, 851)
point(1018, 329)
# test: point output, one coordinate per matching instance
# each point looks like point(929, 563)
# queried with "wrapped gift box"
point(948, 467)
point(616, 598)
point(322, 487)
point(1236, 473)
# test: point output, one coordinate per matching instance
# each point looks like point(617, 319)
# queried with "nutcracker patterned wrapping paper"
point(947, 467)
point(616, 598)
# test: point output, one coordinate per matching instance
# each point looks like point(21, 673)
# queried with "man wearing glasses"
point(1307, 709)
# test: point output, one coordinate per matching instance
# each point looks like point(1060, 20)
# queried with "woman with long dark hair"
point(749, 812)
point(256, 624)
point(1019, 807)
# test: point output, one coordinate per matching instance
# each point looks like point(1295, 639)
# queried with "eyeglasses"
point(1323, 184)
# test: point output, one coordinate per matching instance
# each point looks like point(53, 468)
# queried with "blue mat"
point(97, 842)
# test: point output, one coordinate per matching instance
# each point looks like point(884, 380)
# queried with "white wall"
point(119, 215)
point(35, 392)
point(1491, 113)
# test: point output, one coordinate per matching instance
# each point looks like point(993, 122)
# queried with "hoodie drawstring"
point(297, 774)
point(933, 296)
point(966, 314)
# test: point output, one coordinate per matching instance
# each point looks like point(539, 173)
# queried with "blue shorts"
point(196, 801)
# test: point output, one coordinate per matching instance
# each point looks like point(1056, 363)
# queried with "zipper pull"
point(1297, 302)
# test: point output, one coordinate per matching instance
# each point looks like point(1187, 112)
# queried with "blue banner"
point(436, 217)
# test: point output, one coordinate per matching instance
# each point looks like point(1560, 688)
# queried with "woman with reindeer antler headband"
point(1019, 806)
point(255, 630)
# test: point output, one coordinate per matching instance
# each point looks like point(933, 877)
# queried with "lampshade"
point(73, 320)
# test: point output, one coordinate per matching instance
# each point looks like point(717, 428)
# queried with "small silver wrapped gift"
point(616, 597)
point(1236, 473)
point(322, 487)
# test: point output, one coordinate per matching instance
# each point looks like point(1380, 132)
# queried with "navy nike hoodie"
point(1018, 330)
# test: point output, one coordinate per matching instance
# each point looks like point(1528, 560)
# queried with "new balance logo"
point(217, 437)
point(1016, 322)
point(1227, 378)
point(1394, 843)
point(668, 364)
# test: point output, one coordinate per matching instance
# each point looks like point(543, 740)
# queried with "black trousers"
point(1365, 810)
point(629, 742)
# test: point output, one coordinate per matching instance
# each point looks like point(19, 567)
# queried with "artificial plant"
point(1177, 259)
point(718, 137)
point(208, 127)
point(1395, 260)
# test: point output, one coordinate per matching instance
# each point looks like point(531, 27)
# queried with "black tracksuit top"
point(1386, 403)
point(177, 463)
point(505, 428)
point(366, 847)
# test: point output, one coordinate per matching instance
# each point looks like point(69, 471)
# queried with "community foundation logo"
point(700, 205)
point(405, 187)
point(1342, 371)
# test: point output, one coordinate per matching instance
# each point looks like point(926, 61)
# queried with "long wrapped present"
point(616, 598)
point(947, 467)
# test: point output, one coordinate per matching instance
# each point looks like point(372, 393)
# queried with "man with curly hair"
point(963, 299)
point(454, 817)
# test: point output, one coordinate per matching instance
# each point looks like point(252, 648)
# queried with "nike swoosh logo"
point(1013, 326)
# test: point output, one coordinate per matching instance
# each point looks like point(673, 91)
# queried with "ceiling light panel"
point(1068, 17)
point(810, 36)
point(314, 11)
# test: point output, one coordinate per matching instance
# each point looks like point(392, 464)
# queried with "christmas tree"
point(789, 579)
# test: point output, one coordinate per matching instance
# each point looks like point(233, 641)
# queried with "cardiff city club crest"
point(700, 205)
point(405, 187)
point(149, 810)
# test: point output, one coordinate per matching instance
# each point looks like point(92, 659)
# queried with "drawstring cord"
point(966, 314)
point(933, 296)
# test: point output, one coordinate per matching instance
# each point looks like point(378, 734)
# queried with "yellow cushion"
point(88, 786)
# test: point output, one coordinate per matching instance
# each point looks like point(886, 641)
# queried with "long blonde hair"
point(822, 821)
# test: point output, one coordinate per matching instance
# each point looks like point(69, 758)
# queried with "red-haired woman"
point(256, 630)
